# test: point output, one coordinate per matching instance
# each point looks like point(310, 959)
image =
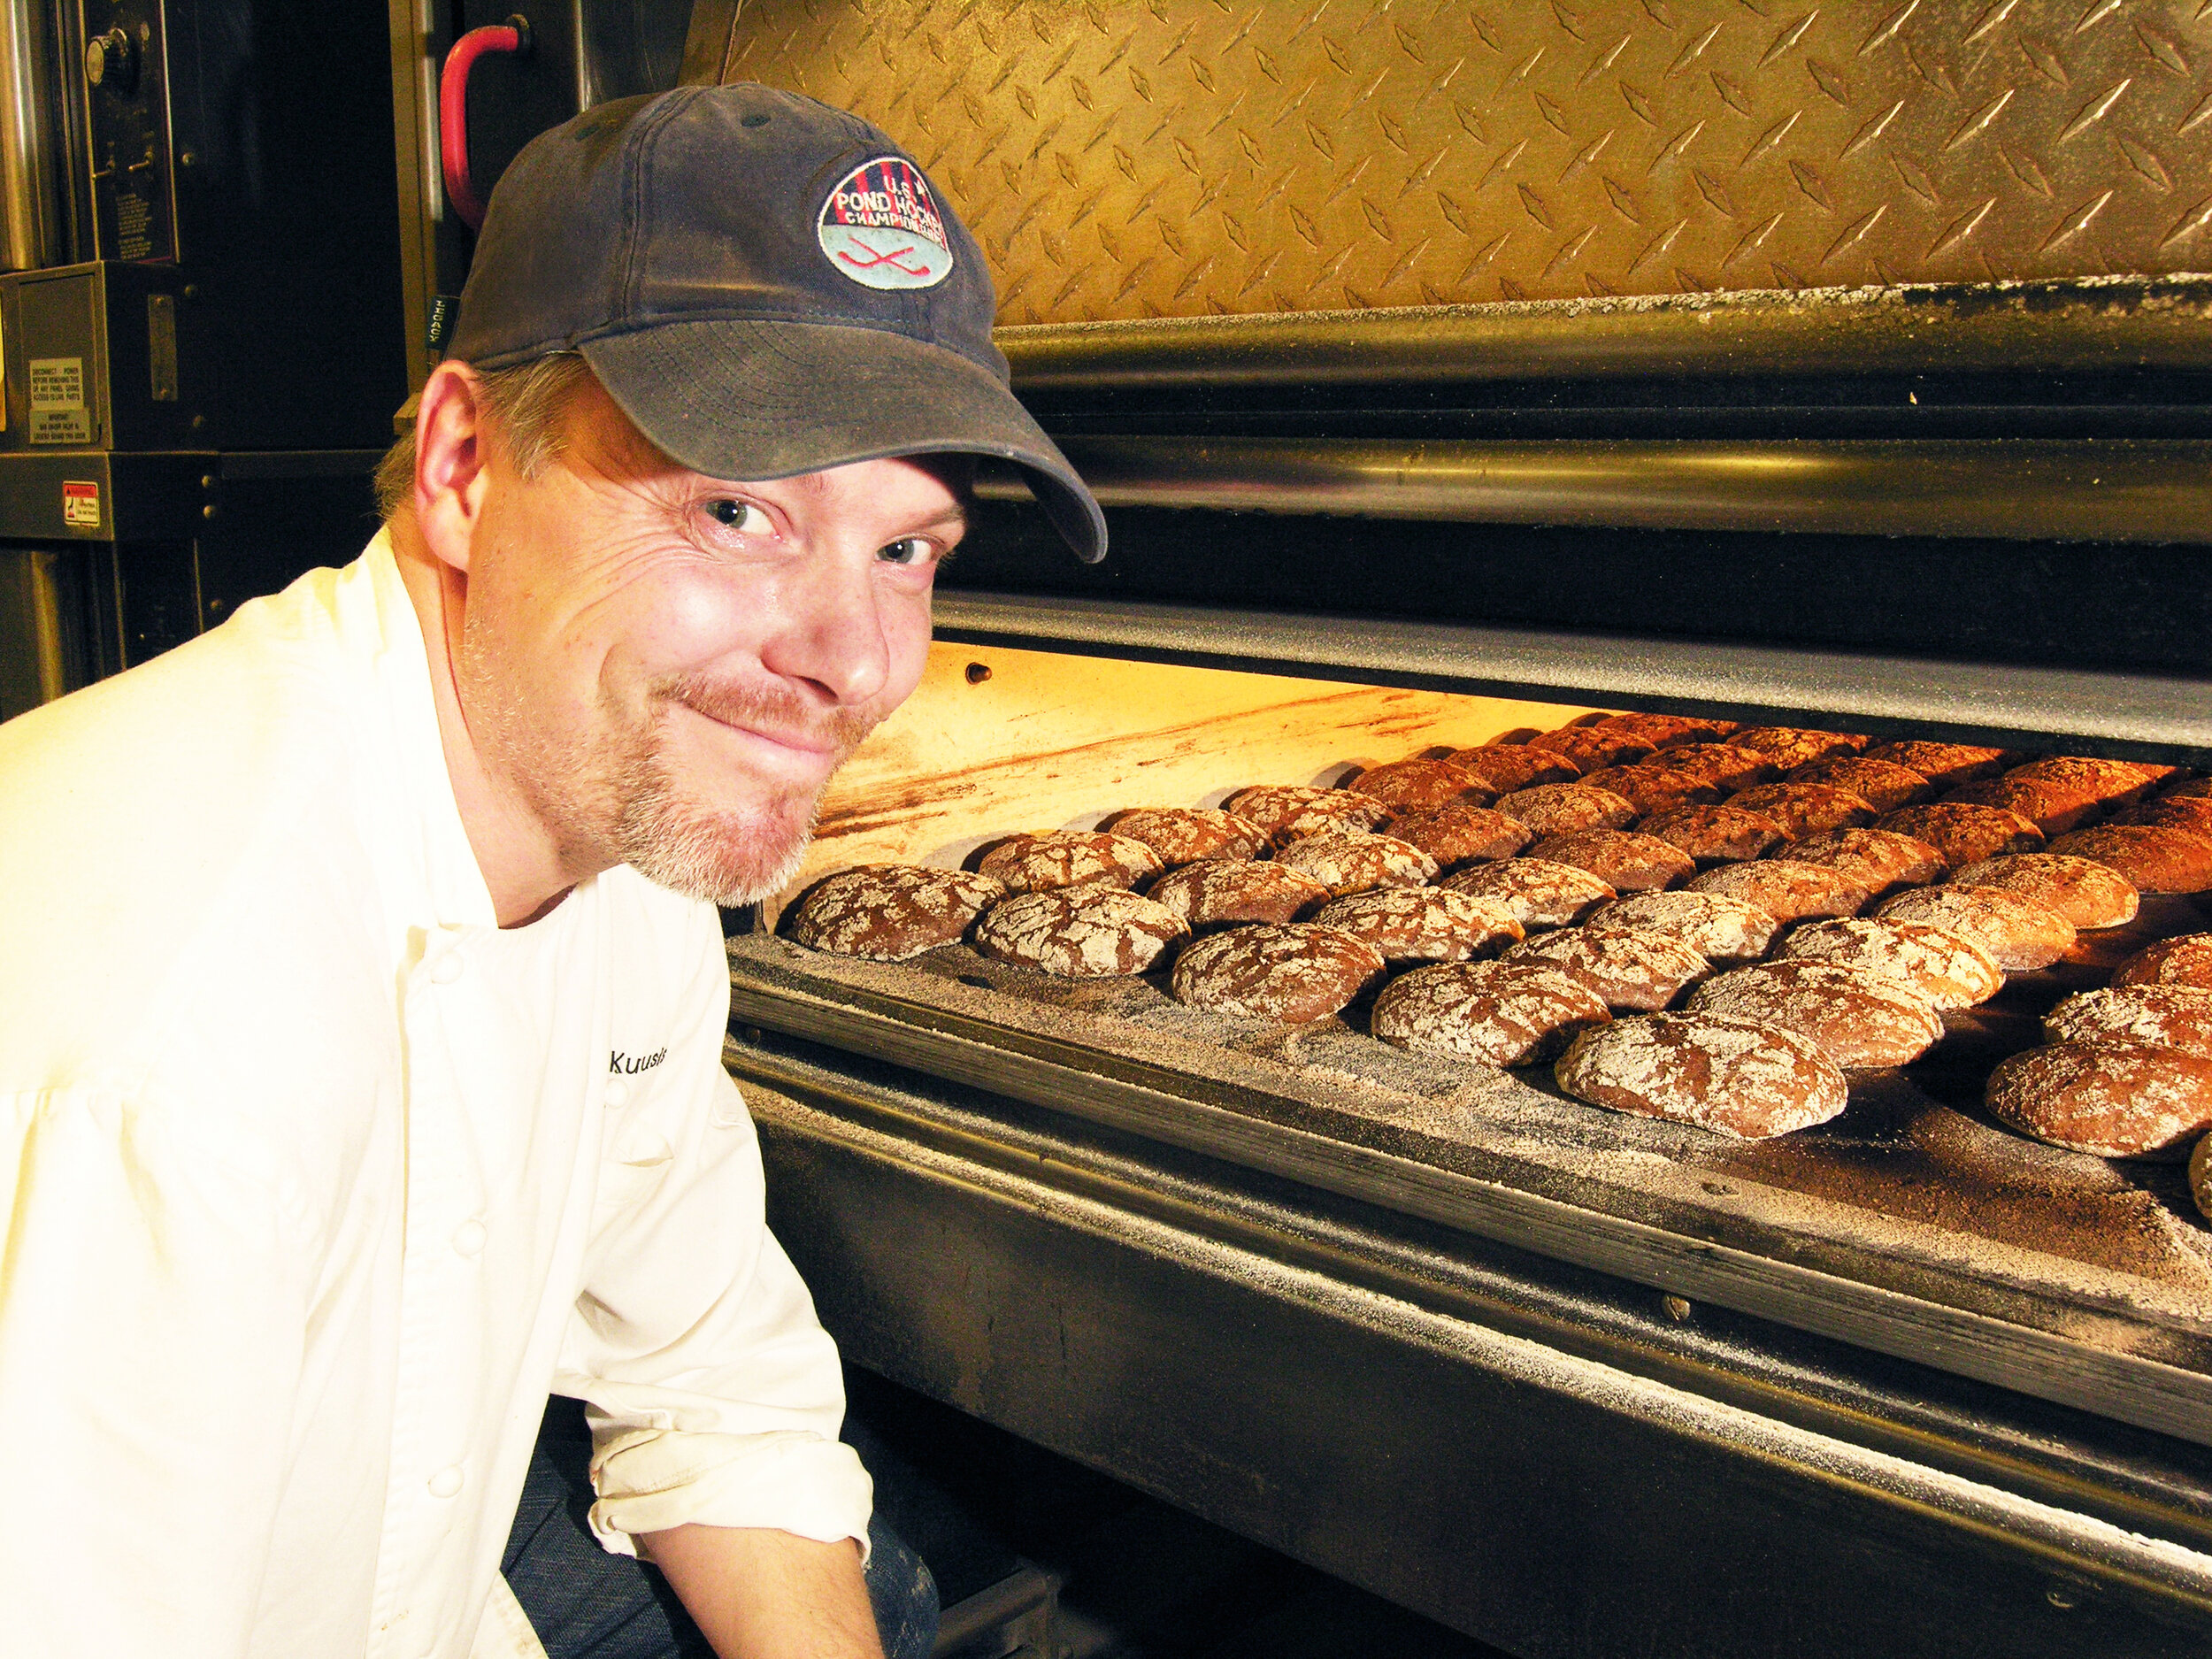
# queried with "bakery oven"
point(1452, 374)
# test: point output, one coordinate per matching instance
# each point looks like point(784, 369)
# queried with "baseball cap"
point(766, 285)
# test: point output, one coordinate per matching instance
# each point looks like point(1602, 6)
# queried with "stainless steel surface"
point(2120, 713)
point(2030, 489)
point(31, 154)
point(2090, 324)
point(1267, 1367)
point(1192, 156)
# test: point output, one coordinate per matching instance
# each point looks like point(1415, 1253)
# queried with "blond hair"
point(523, 404)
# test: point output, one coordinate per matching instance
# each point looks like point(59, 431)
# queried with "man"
point(362, 1008)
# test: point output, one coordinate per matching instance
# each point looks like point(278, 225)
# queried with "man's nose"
point(832, 637)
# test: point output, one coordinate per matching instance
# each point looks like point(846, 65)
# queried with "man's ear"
point(452, 462)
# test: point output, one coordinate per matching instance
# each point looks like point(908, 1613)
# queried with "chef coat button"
point(468, 1238)
point(445, 1483)
point(618, 1093)
point(446, 969)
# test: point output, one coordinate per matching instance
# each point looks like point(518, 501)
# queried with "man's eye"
point(912, 550)
point(737, 515)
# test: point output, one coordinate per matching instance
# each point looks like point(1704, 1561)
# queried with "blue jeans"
point(587, 1604)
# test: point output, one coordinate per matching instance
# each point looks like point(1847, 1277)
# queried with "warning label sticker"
point(58, 414)
point(80, 504)
point(880, 226)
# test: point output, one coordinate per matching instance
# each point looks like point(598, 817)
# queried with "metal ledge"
point(2143, 715)
point(2131, 490)
point(2094, 324)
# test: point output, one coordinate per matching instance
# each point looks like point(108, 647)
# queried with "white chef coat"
point(320, 1179)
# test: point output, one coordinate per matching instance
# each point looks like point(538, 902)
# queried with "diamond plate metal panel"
point(1188, 157)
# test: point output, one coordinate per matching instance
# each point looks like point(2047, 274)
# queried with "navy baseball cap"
point(766, 285)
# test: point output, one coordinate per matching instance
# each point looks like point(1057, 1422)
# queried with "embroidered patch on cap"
point(880, 226)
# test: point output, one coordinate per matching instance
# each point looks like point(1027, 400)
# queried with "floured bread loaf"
point(1424, 924)
point(2052, 807)
point(1804, 808)
point(2020, 935)
point(2109, 783)
point(2172, 1016)
point(1560, 809)
point(1724, 931)
point(1218, 890)
point(1461, 834)
point(1735, 1076)
point(2087, 893)
point(1858, 1020)
point(1790, 747)
point(1537, 892)
point(1883, 785)
point(1068, 858)
point(2117, 1100)
point(1505, 767)
point(889, 912)
point(1786, 890)
point(1947, 970)
point(1290, 811)
point(1945, 766)
point(1591, 747)
point(1631, 969)
point(1295, 972)
point(1498, 1013)
point(1727, 767)
point(1717, 834)
point(1184, 835)
point(1877, 859)
point(1963, 832)
point(1650, 788)
point(1624, 860)
point(1080, 933)
point(2183, 961)
point(2190, 812)
point(1411, 786)
point(1663, 730)
point(2154, 858)
point(1353, 863)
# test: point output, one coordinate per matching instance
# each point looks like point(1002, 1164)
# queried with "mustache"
point(772, 709)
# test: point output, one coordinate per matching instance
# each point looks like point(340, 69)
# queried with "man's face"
point(667, 668)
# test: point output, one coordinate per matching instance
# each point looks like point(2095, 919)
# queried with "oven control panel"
point(127, 100)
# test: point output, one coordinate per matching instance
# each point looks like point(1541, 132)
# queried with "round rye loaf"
point(1080, 933)
point(1716, 834)
point(1945, 766)
point(1560, 809)
point(2172, 1016)
point(1497, 1013)
point(1727, 767)
point(1786, 890)
point(1879, 860)
point(2154, 858)
point(1505, 767)
point(1410, 786)
point(1537, 892)
point(1858, 1020)
point(1295, 972)
point(1424, 924)
point(1947, 970)
point(1724, 931)
point(2054, 807)
point(1883, 785)
point(2117, 1100)
point(1663, 730)
point(1790, 747)
point(890, 911)
point(2020, 935)
point(1624, 860)
point(1289, 810)
point(2183, 961)
point(1963, 832)
point(1631, 969)
point(2190, 812)
point(1184, 835)
point(1736, 1076)
point(2087, 893)
point(1218, 890)
point(1354, 863)
point(2111, 784)
point(1461, 834)
point(1591, 747)
point(1069, 858)
point(1650, 788)
point(1805, 809)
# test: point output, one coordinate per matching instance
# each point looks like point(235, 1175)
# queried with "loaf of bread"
point(1650, 788)
point(1786, 890)
point(1184, 835)
point(1454, 835)
point(1877, 859)
point(1560, 808)
point(1883, 785)
point(2172, 1016)
point(2154, 858)
point(1624, 860)
point(1424, 924)
point(1353, 863)
point(1945, 766)
point(1215, 891)
point(1410, 786)
point(2117, 1100)
point(1716, 834)
point(1858, 1020)
point(1496, 1013)
point(1963, 832)
point(1080, 933)
point(1536, 891)
point(1726, 931)
point(1790, 747)
point(1662, 731)
point(1591, 747)
point(1727, 767)
point(1068, 858)
point(1945, 969)
point(1804, 808)
point(889, 912)
point(1505, 767)
point(2087, 893)
point(1294, 972)
point(1289, 811)
point(2192, 812)
point(2183, 961)
point(1735, 1076)
point(1630, 968)
point(2052, 807)
point(2109, 783)
point(2019, 933)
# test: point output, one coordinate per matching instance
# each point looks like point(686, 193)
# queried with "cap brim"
point(751, 400)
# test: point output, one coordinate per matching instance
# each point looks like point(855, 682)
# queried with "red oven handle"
point(513, 36)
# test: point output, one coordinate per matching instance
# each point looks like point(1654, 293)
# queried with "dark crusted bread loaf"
point(2109, 783)
point(1724, 931)
point(1858, 1020)
point(1717, 834)
point(1295, 972)
point(1662, 731)
point(1882, 784)
point(1498, 1013)
point(1736, 1076)
point(1560, 809)
point(1184, 835)
point(1539, 893)
point(2183, 961)
point(2118, 1100)
point(2087, 893)
point(1630, 968)
point(1080, 933)
point(1728, 767)
point(2019, 933)
point(1945, 969)
point(1945, 766)
point(1624, 860)
point(1069, 858)
point(1804, 808)
point(2190, 812)
point(2052, 807)
point(1461, 834)
point(1786, 890)
point(1288, 811)
point(1963, 832)
point(1650, 788)
point(1424, 924)
point(2172, 1016)
point(1353, 863)
point(1505, 767)
point(2154, 858)
point(1411, 786)
point(1591, 747)
point(1877, 859)
point(1790, 747)
point(1218, 890)
point(890, 911)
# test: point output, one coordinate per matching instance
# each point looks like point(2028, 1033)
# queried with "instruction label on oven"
point(58, 414)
